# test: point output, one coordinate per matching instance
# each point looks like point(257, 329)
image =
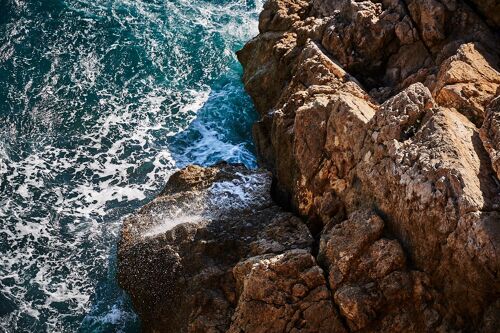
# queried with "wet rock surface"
point(380, 126)
point(181, 257)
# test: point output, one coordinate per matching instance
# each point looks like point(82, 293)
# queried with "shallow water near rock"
point(100, 101)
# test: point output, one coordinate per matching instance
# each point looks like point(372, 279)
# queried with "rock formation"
point(380, 125)
point(389, 105)
point(202, 250)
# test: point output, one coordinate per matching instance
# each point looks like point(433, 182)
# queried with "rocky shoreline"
point(377, 208)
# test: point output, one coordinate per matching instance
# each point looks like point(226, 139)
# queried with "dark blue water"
point(100, 101)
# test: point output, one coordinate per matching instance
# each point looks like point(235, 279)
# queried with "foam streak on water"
point(100, 101)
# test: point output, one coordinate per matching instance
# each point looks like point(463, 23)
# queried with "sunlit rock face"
point(392, 106)
point(379, 125)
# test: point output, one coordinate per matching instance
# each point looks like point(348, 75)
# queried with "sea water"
point(100, 101)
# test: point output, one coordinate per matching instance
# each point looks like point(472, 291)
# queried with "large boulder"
point(180, 257)
point(284, 293)
point(371, 282)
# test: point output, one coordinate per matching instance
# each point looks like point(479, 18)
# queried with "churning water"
point(100, 100)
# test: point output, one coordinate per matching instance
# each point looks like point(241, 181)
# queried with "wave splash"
point(101, 101)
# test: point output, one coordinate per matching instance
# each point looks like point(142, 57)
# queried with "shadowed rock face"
point(185, 257)
point(490, 9)
point(380, 128)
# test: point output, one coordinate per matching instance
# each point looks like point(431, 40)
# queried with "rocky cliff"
point(380, 126)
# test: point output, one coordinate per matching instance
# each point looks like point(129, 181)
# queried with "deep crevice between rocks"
point(483, 17)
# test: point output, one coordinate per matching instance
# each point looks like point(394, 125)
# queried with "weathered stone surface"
point(372, 286)
point(490, 9)
point(380, 125)
point(490, 134)
point(380, 108)
point(281, 15)
point(177, 254)
point(276, 49)
point(283, 293)
point(436, 184)
point(360, 34)
point(467, 82)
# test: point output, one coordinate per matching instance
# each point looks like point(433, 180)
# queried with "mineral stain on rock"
point(379, 131)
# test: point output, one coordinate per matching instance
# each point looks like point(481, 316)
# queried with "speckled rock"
point(177, 254)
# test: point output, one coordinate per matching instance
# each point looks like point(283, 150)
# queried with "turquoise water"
point(100, 101)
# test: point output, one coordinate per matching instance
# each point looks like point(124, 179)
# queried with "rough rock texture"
point(467, 82)
point(191, 257)
point(380, 126)
point(283, 293)
point(213, 253)
point(370, 281)
point(490, 134)
point(389, 105)
point(490, 9)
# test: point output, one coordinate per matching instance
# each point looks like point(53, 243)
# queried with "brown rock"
point(178, 252)
point(417, 157)
point(490, 134)
point(358, 305)
point(344, 244)
point(280, 15)
point(283, 293)
point(361, 34)
point(490, 9)
point(430, 16)
point(467, 82)
point(275, 50)
point(436, 179)
point(398, 185)
point(372, 286)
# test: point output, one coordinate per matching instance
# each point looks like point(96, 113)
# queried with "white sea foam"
point(167, 223)
point(241, 193)
point(73, 167)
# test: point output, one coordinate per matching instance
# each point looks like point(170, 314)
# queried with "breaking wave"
point(100, 101)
